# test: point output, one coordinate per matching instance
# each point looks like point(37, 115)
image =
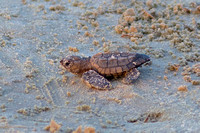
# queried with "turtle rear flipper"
point(94, 80)
point(131, 76)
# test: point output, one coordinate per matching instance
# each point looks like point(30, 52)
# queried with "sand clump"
point(83, 108)
point(188, 71)
point(196, 69)
point(73, 49)
point(182, 88)
point(142, 25)
point(95, 43)
point(187, 78)
point(32, 111)
point(195, 82)
point(86, 130)
point(57, 8)
point(53, 127)
point(24, 2)
point(127, 18)
point(173, 67)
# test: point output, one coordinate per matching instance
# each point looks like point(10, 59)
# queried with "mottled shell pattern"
point(113, 63)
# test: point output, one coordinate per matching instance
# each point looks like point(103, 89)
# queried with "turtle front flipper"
point(94, 80)
point(131, 76)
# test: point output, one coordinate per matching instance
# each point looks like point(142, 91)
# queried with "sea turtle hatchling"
point(94, 69)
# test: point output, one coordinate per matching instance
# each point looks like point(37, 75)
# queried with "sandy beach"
point(38, 95)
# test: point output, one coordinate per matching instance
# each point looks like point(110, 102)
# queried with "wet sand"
point(36, 34)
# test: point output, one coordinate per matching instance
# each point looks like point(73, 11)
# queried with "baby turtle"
point(94, 69)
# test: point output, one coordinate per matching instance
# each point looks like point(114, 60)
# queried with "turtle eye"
point(67, 63)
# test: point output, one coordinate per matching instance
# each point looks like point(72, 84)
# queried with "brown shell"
point(113, 63)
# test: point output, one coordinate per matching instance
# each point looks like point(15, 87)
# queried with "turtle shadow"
point(145, 73)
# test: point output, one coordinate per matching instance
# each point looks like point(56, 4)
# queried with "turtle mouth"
point(61, 62)
point(148, 60)
point(147, 63)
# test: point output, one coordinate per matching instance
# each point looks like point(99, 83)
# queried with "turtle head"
point(141, 59)
point(74, 64)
